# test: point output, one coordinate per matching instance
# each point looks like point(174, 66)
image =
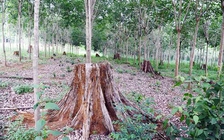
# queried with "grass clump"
point(3, 84)
point(21, 89)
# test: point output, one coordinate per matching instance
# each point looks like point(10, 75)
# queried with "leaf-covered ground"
point(56, 76)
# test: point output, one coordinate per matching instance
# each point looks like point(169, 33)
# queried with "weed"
point(158, 83)
point(54, 74)
point(68, 69)
point(21, 89)
point(3, 84)
point(16, 131)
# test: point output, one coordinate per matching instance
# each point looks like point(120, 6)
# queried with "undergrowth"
point(133, 128)
point(203, 113)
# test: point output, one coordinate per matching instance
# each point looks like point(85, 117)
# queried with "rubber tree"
point(221, 42)
point(89, 8)
point(35, 61)
point(199, 9)
point(19, 27)
point(3, 2)
point(179, 20)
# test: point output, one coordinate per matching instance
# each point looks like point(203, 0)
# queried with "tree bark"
point(35, 60)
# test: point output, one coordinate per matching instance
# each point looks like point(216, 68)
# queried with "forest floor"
point(56, 75)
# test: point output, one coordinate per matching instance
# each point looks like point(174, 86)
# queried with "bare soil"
point(56, 75)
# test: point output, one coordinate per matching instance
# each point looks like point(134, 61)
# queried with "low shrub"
point(203, 113)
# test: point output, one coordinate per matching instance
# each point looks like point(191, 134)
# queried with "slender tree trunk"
point(193, 47)
point(89, 7)
point(30, 32)
point(139, 51)
point(168, 59)
point(35, 61)
point(222, 42)
point(127, 50)
point(56, 39)
point(52, 40)
point(192, 51)
point(135, 52)
point(145, 50)
point(3, 31)
point(180, 55)
point(45, 44)
point(177, 52)
point(19, 22)
point(157, 55)
point(158, 46)
point(206, 60)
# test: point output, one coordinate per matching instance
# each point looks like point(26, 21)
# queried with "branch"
point(16, 108)
point(187, 11)
point(15, 77)
point(175, 14)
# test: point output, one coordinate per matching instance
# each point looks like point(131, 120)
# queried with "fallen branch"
point(16, 108)
point(15, 77)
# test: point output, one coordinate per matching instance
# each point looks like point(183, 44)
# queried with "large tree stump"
point(91, 104)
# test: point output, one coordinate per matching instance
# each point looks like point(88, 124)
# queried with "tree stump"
point(91, 104)
point(147, 67)
point(117, 56)
point(16, 53)
point(97, 55)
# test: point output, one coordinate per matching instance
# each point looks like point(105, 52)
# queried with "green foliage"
point(68, 69)
point(134, 128)
point(21, 89)
point(16, 131)
point(52, 106)
point(203, 113)
point(3, 84)
point(54, 74)
point(120, 70)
